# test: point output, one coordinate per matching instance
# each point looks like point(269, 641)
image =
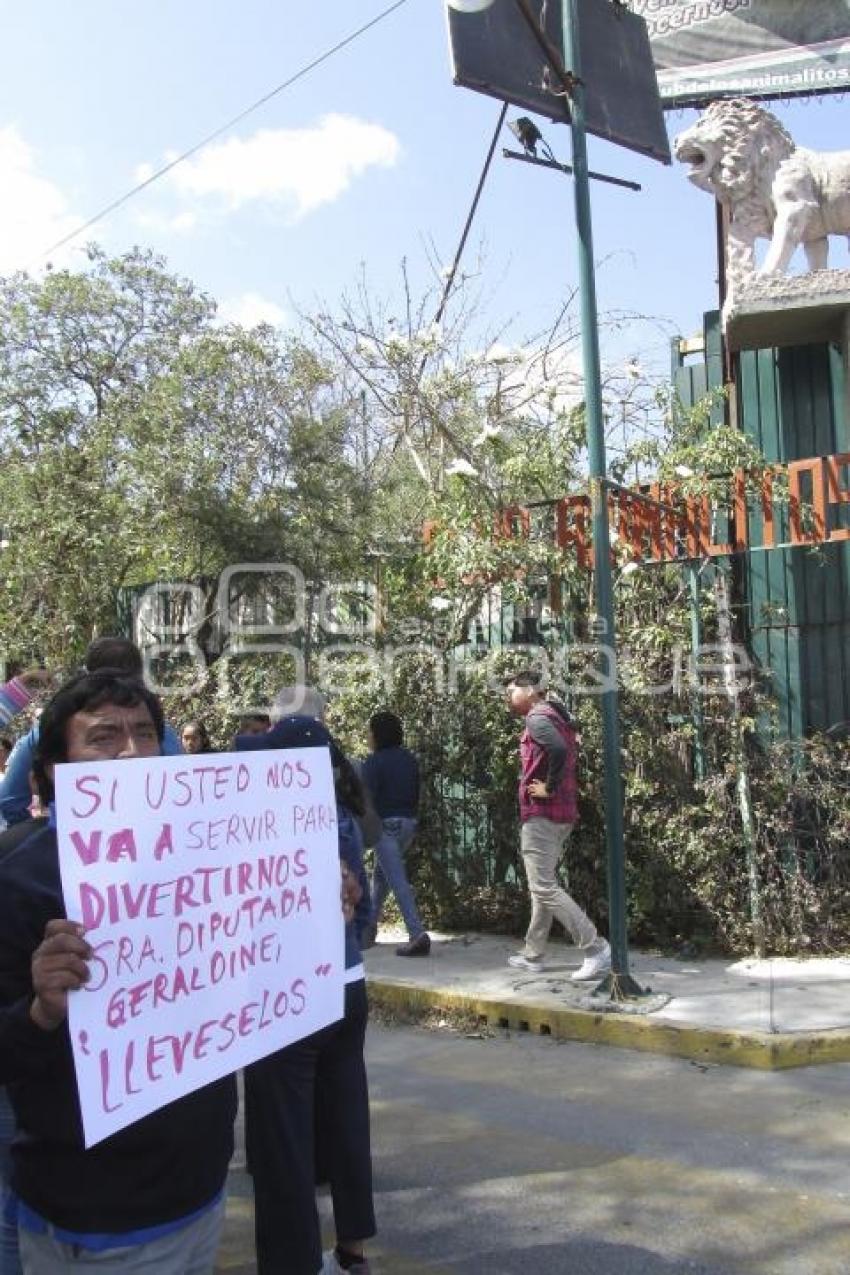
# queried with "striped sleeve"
point(14, 697)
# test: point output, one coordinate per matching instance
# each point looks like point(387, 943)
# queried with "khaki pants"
point(189, 1251)
point(542, 846)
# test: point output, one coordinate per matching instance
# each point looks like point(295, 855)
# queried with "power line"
point(205, 141)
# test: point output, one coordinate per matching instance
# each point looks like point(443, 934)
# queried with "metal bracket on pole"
point(569, 80)
point(567, 168)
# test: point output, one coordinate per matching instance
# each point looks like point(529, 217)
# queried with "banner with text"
point(705, 49)
point(209, 888)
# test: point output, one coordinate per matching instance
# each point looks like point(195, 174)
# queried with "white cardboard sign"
point(209, 887)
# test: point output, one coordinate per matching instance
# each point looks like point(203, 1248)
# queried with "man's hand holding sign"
point(59, 966)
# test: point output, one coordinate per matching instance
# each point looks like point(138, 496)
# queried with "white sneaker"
point(520, 962)
point(596, 963)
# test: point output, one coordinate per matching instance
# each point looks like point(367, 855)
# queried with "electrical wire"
point(211, 137)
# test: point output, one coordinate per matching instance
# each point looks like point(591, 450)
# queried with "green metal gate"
point(797, 600)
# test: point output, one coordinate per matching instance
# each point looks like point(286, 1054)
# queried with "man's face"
point(110, 733)
point(519, 698)
point(192, 740)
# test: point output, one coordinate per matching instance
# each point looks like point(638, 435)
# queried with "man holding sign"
point(154, 1192)
point(204, 932)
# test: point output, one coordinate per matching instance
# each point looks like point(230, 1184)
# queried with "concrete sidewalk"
point(770, 1014)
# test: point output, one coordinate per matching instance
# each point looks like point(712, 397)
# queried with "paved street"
point(520, 1154)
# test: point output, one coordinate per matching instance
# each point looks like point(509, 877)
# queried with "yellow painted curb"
point(769, 1052)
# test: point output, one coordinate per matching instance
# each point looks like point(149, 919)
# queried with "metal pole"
point(619, 983)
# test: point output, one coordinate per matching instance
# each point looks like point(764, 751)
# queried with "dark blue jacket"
point(392, 775)
point(163, 1167)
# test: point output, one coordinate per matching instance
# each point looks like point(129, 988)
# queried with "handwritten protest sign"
point(209, 887)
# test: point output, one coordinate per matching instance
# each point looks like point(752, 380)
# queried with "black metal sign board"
point(494, 51)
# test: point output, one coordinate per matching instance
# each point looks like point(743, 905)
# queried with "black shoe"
point(419, 946)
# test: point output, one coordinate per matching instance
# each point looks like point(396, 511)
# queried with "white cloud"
point(300, 169)
point(249, 309)
point(180, 224)
point(33, 211)
point(183, 222)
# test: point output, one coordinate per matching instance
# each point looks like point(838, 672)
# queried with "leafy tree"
point(143, 442)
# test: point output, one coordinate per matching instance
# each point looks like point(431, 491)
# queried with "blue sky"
point(370, 159)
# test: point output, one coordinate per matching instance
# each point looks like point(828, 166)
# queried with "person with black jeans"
point(307, 1106)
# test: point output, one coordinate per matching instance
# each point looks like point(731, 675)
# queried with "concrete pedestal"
point(776, 311)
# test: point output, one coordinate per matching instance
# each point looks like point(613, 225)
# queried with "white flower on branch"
point(498, 353)
point(488, 431)
point(462, 468)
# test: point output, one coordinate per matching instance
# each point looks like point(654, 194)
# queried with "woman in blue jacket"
point(391, 773)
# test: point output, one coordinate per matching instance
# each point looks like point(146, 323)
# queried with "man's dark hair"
point(114, 653)
point(81, 694)
point(526, 677)
point(262, 719)
point(387, 730)
point(7, 742)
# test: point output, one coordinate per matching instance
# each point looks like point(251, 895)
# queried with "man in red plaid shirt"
point(548, 811)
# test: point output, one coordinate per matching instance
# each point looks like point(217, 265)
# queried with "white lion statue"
point(772, 189)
